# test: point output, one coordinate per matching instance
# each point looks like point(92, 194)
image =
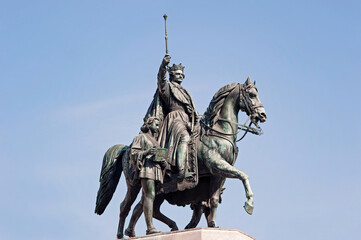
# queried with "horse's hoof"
point(152, 231)
point(248, 207)
point(190, 225)
point(130, 232)
point(174, 228)
point(120, 236)
point(212, 224)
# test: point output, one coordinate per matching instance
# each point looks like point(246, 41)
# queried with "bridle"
point(250, 109)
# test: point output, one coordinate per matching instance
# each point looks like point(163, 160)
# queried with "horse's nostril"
point(263, 116)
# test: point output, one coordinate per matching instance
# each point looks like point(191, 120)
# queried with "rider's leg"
point(182, 150)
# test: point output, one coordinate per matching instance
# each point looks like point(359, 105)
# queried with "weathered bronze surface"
point(178, 156)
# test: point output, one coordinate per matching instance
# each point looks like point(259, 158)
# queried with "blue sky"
point(77, 77)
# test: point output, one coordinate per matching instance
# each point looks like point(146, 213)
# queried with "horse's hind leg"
point(137, 212)
point(196, 217)
point(219, 166)
point(125, 206)
point(160, 216)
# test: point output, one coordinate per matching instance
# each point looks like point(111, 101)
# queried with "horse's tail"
point(109, 176)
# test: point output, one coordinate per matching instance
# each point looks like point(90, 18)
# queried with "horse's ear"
point(248, 81)
point(254, 83)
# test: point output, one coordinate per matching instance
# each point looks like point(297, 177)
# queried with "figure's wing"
point(109, 176)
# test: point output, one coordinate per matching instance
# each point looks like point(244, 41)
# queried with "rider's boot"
point(181, 156)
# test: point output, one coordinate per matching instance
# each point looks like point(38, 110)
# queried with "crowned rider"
point(177, 112)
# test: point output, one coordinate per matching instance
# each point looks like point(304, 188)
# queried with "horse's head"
point(250, 102)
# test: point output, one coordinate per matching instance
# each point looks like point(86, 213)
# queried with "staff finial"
point(166, 35)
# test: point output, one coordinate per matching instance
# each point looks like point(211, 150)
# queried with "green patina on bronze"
point(178, 156)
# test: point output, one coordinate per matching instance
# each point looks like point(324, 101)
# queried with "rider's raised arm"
point(162, 74)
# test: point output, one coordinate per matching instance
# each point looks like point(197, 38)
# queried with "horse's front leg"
point(217, 165)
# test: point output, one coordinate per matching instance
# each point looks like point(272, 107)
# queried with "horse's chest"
point(224, 148)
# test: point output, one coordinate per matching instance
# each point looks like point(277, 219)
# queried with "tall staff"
point(166, 35)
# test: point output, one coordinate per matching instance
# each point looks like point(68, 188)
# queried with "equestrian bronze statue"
point(180, 156)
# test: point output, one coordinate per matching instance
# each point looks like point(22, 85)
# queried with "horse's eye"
point(251, 95)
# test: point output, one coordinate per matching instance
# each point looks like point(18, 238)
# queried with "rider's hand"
point(166, 60)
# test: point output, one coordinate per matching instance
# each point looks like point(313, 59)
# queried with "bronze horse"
point(216, 152)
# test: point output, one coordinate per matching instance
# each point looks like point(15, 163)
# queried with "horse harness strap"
point(257, 131)
point(250, 108)
point(240, 127)
point(246, 100)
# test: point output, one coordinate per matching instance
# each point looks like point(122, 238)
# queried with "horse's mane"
point(210, 116)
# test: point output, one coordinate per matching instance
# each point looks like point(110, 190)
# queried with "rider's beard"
point(179, 81)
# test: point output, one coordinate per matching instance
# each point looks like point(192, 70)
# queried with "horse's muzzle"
point(259, 116)
point(262, 117)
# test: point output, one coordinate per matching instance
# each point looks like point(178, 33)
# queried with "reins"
point(240, 127)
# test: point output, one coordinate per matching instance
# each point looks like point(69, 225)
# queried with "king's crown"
point(175, 68)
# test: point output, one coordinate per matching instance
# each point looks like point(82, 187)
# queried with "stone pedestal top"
point(199, 234)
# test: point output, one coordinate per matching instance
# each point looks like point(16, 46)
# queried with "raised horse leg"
point(217, 165)
point(125, 206)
